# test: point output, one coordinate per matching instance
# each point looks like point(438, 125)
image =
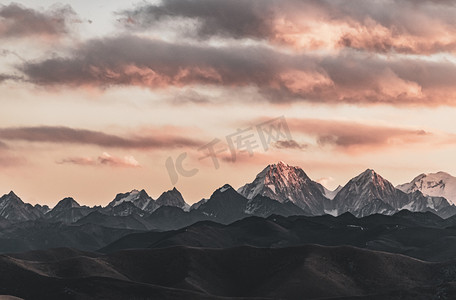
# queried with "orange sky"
point(96, 97)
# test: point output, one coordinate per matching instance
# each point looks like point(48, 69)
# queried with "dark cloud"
point(352, 135)
point(5, 77)
point(190, 96)
point(237, 19)
point(130, 60)
point(377, 26)
point(19, 21)
point(66, 135)
point(345, 77)
point(289, 144)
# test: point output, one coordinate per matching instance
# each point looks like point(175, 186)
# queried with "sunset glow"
point(96, 96)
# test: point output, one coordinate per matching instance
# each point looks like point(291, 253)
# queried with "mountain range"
point(282, 236)
point(278, 189)
point(366, 194)
point(438, 184)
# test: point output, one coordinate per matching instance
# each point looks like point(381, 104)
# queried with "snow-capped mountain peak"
point(372, 176)
point(198, 204)
point(283, 182)
point(172, 198)
point(440, 184)
point(224, 188)
point(372, 181)
point(275, 175)
point(369, 193)
point(139, 198)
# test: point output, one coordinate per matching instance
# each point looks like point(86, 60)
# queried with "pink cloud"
point(352, 137)
point(126, 161)
point(105, 159)
point(346, 77)
point(17, 21)
point(149, 139)
point(381, 26)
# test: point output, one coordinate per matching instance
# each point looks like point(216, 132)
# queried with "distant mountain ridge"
point(422, 235)
point(369, 193)
point(280, 236)
point(14, 209)
point(366, 194)
point(172, 198)
point(278, 189)
point(139, 198)
point(438, 184)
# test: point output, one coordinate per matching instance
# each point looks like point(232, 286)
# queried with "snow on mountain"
point(139, 198)
point(144, 202)
point(420, 202)
point(172, 198)
point(224, 188)
point(369, 193)
point(375, 206)
point(283, 183)
point(44, 209)
point(439, 184)
point(264, 207)
point(198, 204)
point(124, 209)
point(277, 189)
point(14, 209)
point(331, 194)
point(359, 196)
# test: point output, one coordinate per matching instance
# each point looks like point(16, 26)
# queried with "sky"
point(103, 97)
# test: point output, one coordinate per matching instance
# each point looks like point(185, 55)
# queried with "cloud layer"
point(419, 27)
point(349, 136)
point(67, 135)
point(105, 159)
point(392, 52)
point(17, 21)
point(345, 77)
